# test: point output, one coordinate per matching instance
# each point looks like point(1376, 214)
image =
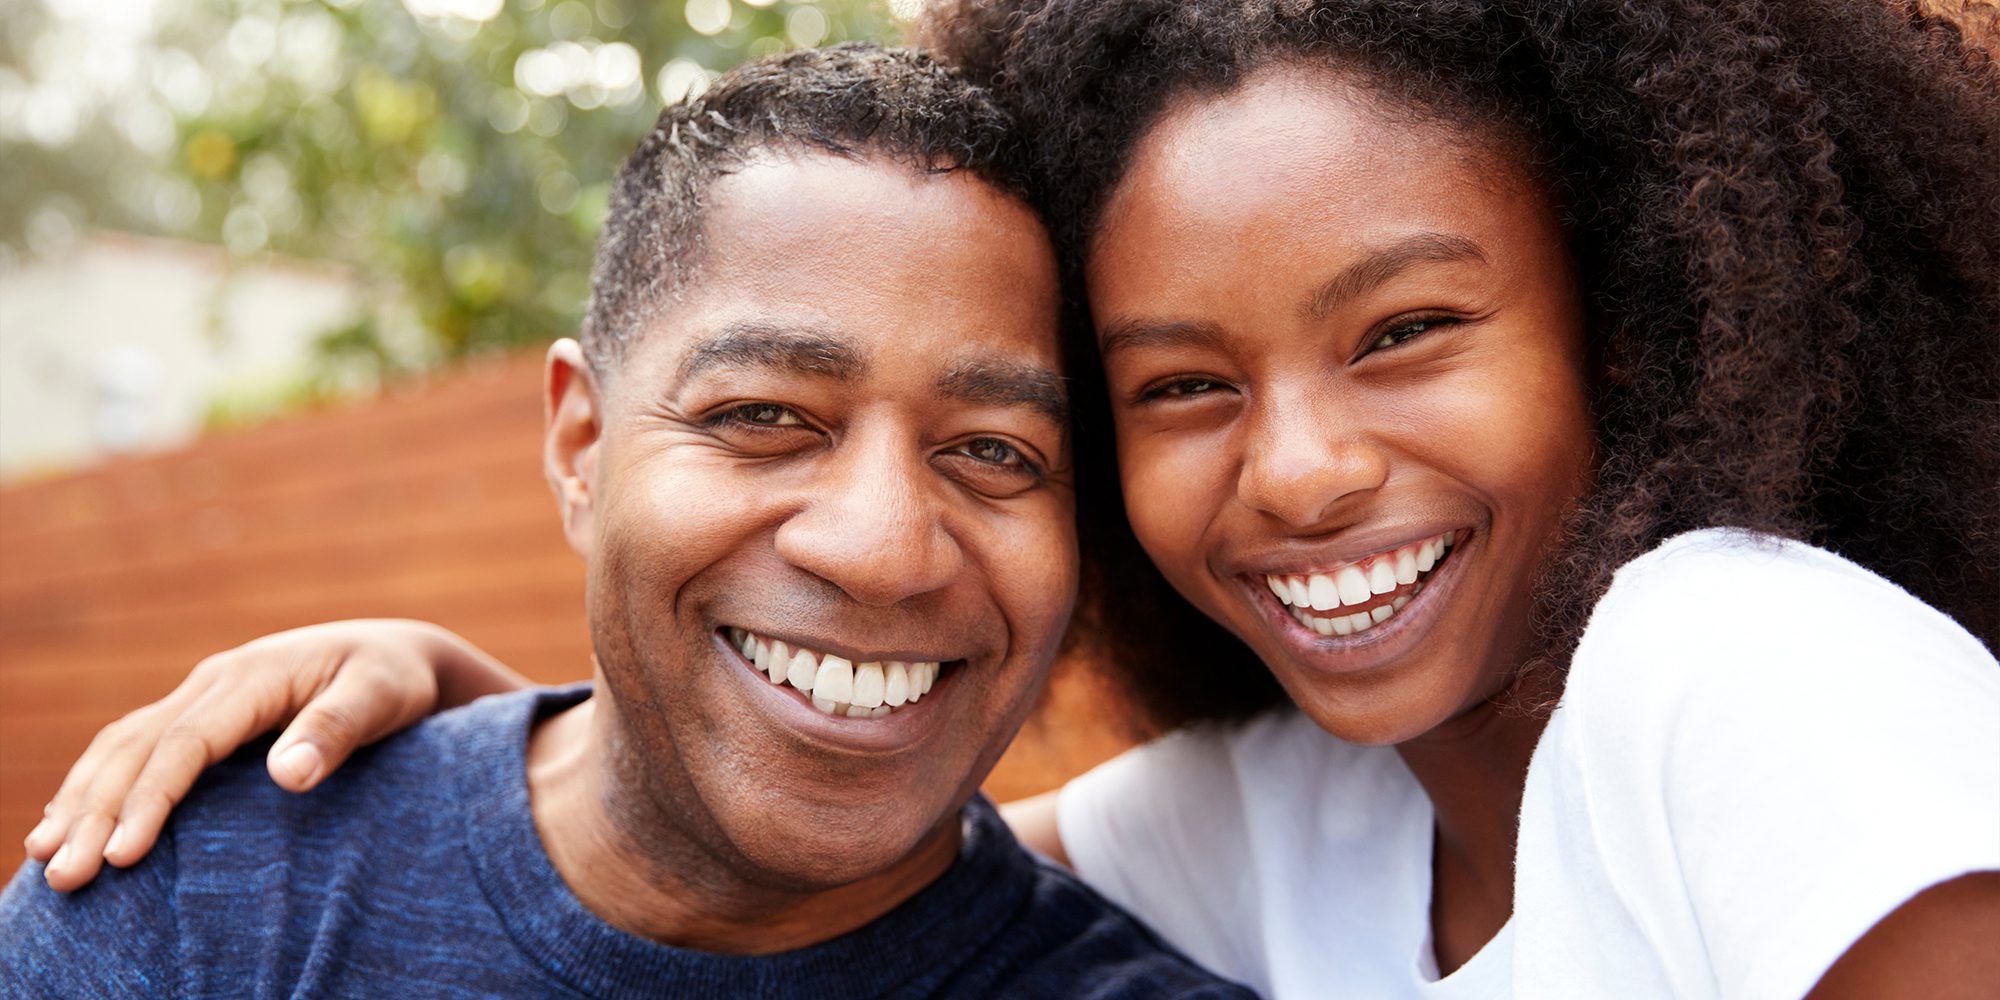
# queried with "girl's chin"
point(1384, 709)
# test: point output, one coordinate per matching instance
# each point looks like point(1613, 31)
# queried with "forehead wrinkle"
point(1007, 383)
point(1381, 265)
point(778, 346)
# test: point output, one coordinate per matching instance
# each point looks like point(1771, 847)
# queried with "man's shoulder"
point(325, 890)
point(1090, 947)
point(1043, 932)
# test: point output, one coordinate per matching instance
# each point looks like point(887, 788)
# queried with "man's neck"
point(673, 889)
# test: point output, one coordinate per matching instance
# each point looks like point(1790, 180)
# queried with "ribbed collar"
point(905, 953)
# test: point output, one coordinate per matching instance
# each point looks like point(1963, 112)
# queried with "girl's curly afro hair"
point(1787, 214)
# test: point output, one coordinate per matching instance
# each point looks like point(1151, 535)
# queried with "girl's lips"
point(1382, 641)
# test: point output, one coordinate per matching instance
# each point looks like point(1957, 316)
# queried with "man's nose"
point(874, 527)
point(1300, 471)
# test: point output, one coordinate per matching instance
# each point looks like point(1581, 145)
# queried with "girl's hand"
point(342, 685)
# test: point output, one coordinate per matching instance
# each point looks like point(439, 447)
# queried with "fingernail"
point(117, 838)
point(42, 829)
point(298, 762)
point(61, 859)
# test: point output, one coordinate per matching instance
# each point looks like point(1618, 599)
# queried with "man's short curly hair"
point(850, 100)
point(1786, 213)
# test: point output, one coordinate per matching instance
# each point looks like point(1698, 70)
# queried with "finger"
point(211, 729)
point(123, 745)
point(120, 746)
point(81, 855)
point(358, 707)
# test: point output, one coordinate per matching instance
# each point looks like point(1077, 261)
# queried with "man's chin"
point(814, 850)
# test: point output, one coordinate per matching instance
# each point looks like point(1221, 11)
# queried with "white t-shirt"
point(1762, 749)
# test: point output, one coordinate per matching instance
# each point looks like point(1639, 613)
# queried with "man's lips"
point(836, 684)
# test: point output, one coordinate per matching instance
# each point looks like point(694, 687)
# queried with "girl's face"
point(1346, 359)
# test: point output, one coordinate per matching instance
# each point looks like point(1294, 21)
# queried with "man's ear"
point(572, 418)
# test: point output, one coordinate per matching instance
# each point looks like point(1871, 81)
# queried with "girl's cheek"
point(1172, 491)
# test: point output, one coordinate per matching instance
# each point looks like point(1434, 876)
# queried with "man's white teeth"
point(835, 680)
point(1360, 583)
point(869, 685)
point(834, 684)
point(802, 669)
point(895, 684)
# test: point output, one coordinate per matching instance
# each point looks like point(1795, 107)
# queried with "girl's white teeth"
point(1406, 566)
point(1353, 585)
point(833, 683)
point(1359, 583)
point(1324, 594)
point(1359, 621)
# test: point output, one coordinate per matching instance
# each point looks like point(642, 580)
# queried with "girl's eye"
point(763, 415)
point(1406, 330)
point(1180, 388)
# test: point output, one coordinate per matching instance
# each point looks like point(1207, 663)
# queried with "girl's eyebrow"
point(1386, 262)
point(1135, 333)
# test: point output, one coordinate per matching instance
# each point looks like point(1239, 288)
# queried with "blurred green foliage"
point(455, 154)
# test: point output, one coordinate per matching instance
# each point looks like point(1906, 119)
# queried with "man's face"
point(847, 437)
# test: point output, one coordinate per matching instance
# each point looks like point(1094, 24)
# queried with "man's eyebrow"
point(1007, 383)
point(755, 344)
point(1129, 334)
point(1378, 267)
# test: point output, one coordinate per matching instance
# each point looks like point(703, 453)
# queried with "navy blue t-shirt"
point(416, 871)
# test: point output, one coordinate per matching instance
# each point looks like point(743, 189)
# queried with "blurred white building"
point(121, 343)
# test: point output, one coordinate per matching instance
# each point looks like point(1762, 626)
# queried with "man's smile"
point(836, 684)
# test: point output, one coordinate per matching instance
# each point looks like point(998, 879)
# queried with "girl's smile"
point(1333, 340)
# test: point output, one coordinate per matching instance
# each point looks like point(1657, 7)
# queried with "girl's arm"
point(1033, 821)
point(342, 685)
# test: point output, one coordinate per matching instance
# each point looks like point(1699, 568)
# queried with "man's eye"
point(994, 451)
point(763, 415)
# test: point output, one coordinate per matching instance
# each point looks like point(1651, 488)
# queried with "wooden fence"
point(427, 502)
